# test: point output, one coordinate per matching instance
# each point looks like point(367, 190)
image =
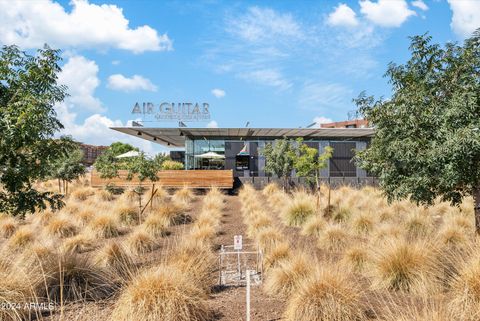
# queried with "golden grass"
point(300, 208)
point(78, 244)
point(328, 295)
point(333, 238)
point(398, 265)
point(161, 293)
point(114, 257)
point(82, 193)
point(285, 278)
point(126, 213)
point(140, 242)
point(356, 257)
point(104, 226)
point(21, 238)
point(314, 226)
point(155, 225)
point(279, 253)
point(61, 227)
point(268, 238)
point(8, 226)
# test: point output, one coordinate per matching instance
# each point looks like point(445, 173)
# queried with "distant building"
point(178, 156)
point(355, 123)
point(91, 152)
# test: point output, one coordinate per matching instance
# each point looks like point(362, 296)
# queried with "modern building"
point(239, 149)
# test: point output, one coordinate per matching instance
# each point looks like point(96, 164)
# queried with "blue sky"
point(272, 63)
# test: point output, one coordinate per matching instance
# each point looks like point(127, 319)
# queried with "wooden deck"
point(173, 178)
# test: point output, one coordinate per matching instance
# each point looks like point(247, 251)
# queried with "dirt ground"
point(227, 302)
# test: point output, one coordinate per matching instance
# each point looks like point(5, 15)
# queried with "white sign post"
point(248, 295)
point(238, 245)
point(237, 242)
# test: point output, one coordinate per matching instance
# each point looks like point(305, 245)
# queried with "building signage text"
point(174, 111)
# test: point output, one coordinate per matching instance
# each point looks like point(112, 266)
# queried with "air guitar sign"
point(173, 111)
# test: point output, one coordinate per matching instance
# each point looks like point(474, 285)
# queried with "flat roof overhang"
point(175, 137)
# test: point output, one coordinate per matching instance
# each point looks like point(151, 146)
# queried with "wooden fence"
point(172, 178)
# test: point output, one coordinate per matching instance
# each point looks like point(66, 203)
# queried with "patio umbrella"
point(132, 153)
point(210, 155)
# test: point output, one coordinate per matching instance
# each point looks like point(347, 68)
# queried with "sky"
point(269, 63)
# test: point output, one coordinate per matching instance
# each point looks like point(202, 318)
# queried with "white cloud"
point(322, 120)
point(219, 93)
point(259, 24)
point(466, 16)
point(30, 24)
point(386, 13)
point(343, 15)
point(136, 82)
point(325, 97)
point(267, 77)
point(420, 4)
point(80, 76)
point(212, 124)
point(115, 62)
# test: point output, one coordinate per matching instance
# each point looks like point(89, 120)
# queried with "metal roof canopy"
point(175, 137)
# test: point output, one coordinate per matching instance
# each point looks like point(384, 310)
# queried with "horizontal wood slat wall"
point(172, 178)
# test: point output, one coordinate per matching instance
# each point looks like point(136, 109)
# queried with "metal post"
point(248, 295)
point(238, 266)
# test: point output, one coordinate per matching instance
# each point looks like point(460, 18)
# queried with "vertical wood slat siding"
point(172, 178)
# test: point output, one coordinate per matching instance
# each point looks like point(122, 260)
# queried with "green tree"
point(28, 123)
point(427, 137)
point(308, 162)
point(108, 165)
point(279, 159)
point(68, 168)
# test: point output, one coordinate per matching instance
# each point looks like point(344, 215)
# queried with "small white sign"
point(237, 242)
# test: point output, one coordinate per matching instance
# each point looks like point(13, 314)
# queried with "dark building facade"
point(91, 152)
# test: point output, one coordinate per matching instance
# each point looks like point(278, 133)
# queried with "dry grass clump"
point(104, 226)
point(268, 238)
point(21, 238)
point(300, 208)
point(203, 234)
point(114, 257)
point(270, 189)
point(363, 223)
point(414, 309)
point(155, 225)
point(314, 226)
point(70, 278)
point(172, 213)
point(356, 257)
point(283, 279)
point(61, 227)
point(279, 253)
point(140, 242)
point(333, 238)
point(8, 226)
point(82, 193)
point(213, 200)
point(104, 196)
point(196, 261)
point(398, 265)
point(15, 288)
point(126, 213)
point(418, 225)
point(78, 244)
point(85, 215)
point(256, 223)
point(340, 213)
point(453, 235)
point(465, 288)
point(161, 293)
point(328, 295)
point(182, 197)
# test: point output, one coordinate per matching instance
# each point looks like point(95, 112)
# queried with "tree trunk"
point(476, 207)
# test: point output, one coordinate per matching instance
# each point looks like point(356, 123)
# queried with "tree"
point(68, 168)
point(108, 165)
point(427, 137)
point(28, 123)
point(279, 159)
point(308, 162)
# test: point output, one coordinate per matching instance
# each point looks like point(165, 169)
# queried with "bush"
point(171, 165)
